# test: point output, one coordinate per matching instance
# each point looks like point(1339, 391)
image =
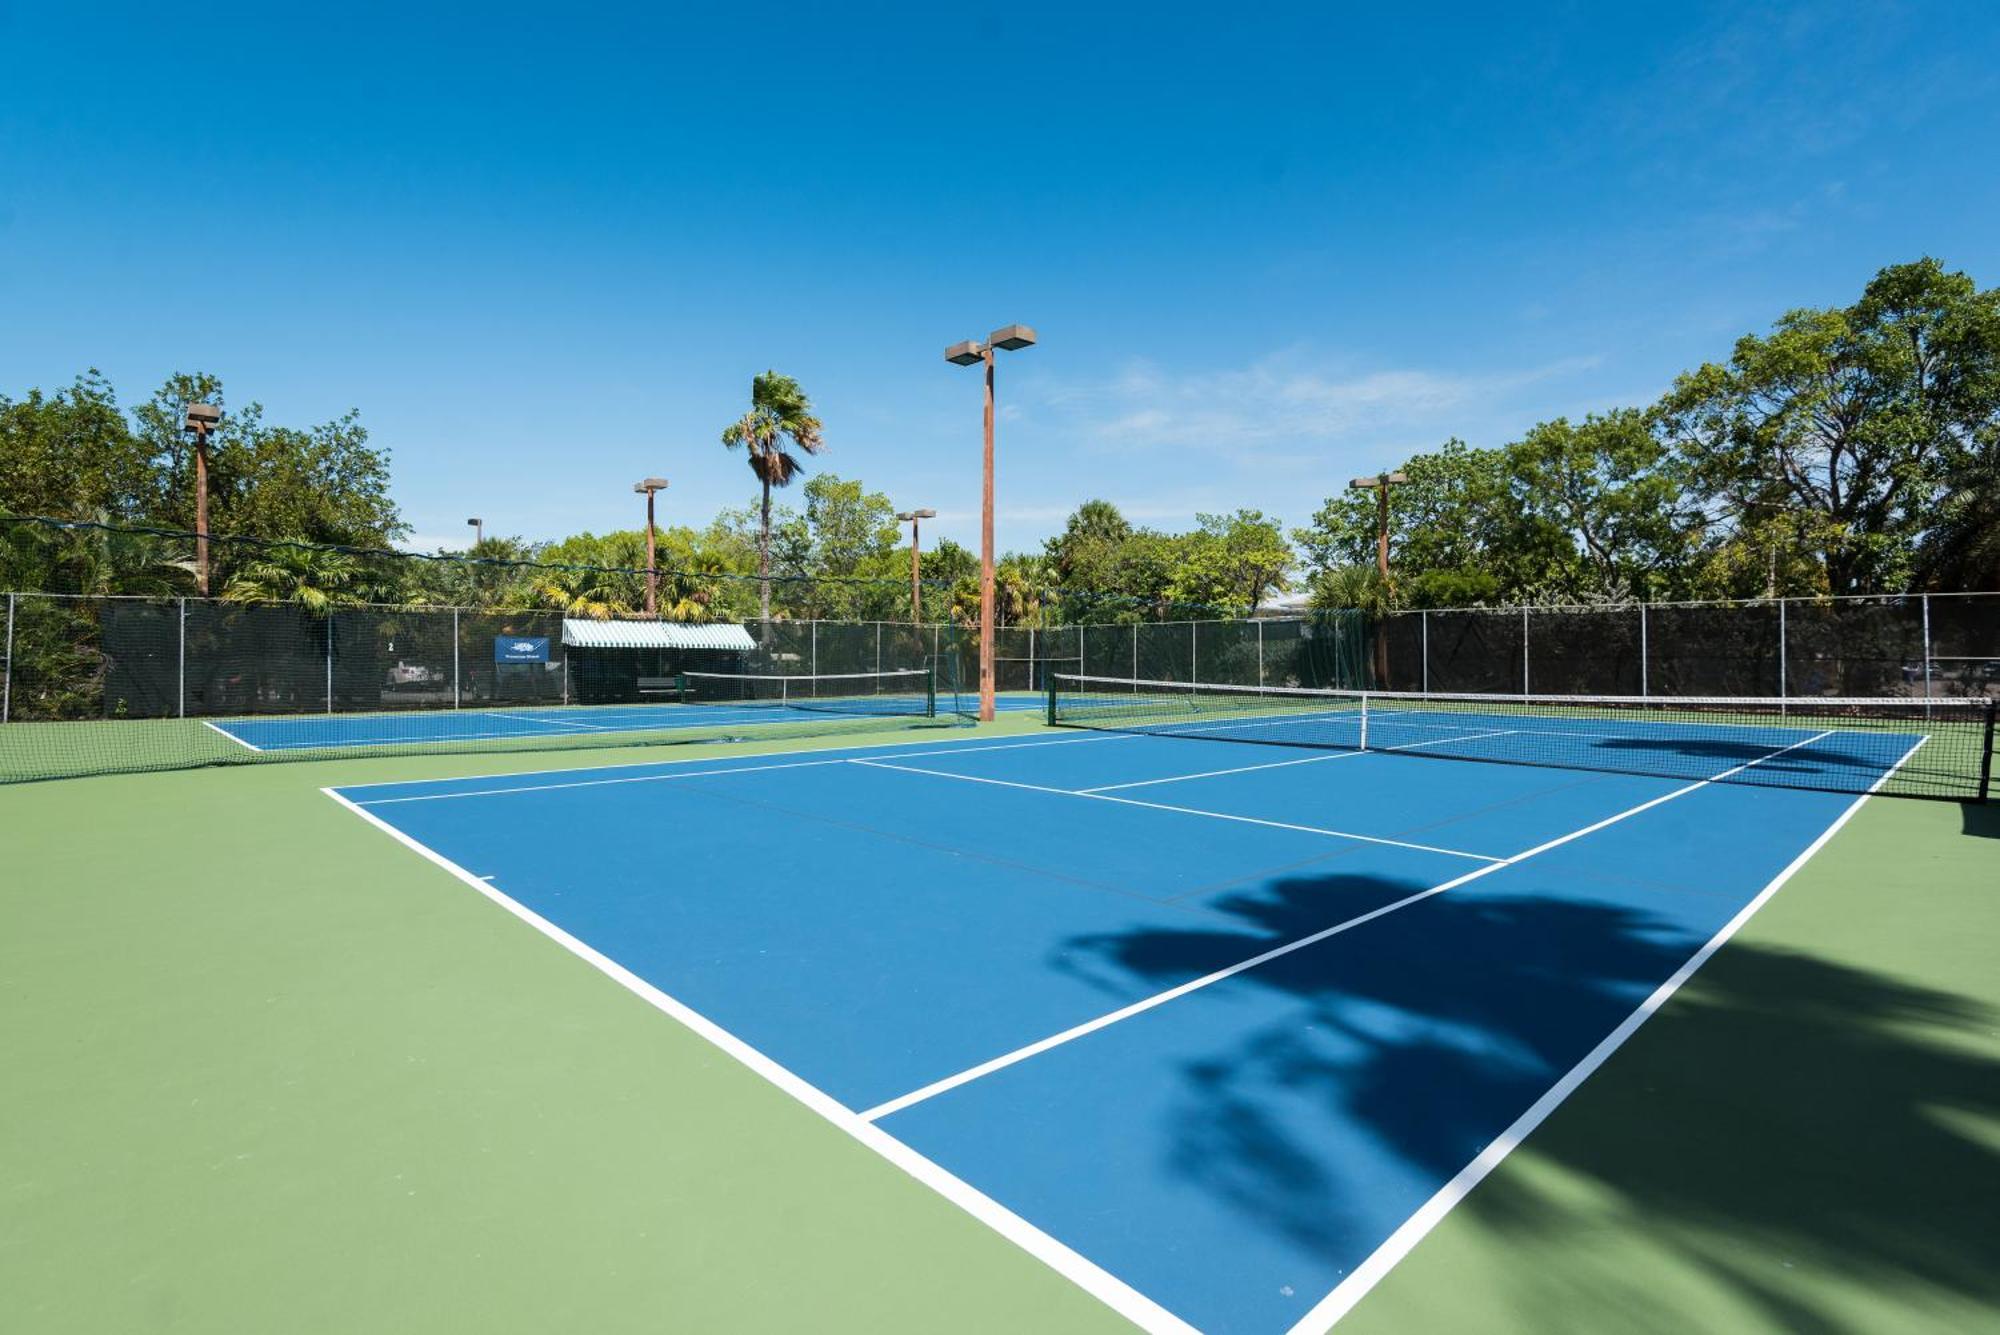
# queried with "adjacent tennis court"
point(1219, 1028)
point(415, 728)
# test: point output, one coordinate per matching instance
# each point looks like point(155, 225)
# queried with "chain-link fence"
point(70, 657)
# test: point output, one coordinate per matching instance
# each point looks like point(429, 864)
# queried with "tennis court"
point(334, 732)
point(1217, 1027)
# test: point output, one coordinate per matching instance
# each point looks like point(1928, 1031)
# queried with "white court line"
point(231, 736)
point(1075, 1032)
point(540, 721)
point(1084, 1273)
point(589, 783)
point(1185, 811)
point(1412, 1231)
point(1280, 764)
point(674, 774)
point(1214, 773)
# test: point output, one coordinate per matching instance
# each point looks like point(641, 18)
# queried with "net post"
point(1986, 753)
point(930, 689)
point(7, 667)
point(457, 691)
point(1364, 720)
point(1052, 700)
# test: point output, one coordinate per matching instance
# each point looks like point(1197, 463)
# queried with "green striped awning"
point(584, 634)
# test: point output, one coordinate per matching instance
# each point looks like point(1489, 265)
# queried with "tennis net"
point(900, 692)
point(1938, 747)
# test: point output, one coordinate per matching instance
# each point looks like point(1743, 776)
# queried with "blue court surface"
point(313, 732)
point(1218, 1030)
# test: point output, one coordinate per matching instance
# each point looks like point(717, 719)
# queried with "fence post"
point(1643, 685)
point(7, 666)
point(1260, 655)
point(812, 662)
point(457, 691)
point(1135, 651)
point(1424, 626)
point(181, 662)
point(1194, 653)
point(329, 662)
point(1927, 655)
point(878, 650)
point(1524, 649)
point(1783, 653)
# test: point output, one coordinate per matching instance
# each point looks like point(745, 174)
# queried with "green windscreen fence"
point(113, 685)
point(192, 681)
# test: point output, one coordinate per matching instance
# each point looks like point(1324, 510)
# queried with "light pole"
point(648, 487)
point(201, 421)
point(1380, 485)
point(915, 518)
point(478, 527)
point(973, 353)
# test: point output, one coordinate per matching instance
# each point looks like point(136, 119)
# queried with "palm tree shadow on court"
point(1781, 1105)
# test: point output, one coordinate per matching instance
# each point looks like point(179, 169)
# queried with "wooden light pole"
point(201, 421)
point(974, 353)
point(1380, 485)
point(915, 518)
point(648, 487)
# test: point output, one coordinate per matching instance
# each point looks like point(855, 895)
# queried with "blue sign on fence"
point(520, 648)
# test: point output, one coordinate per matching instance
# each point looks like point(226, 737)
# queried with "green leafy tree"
point(71, 455)
point(315, 484)
point(1455, 528)
point(1854, 416)
point(780, 416)
point(1617, 492)
point(1229, 562)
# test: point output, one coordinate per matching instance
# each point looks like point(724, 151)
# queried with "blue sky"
point(544, 248)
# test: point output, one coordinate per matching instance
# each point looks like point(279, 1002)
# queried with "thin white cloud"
point(1283, 398)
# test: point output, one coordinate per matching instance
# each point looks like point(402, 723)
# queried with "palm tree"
point(779, 412)
point(317, 579)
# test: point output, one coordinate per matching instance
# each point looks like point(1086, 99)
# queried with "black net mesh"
point(1917, 748)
